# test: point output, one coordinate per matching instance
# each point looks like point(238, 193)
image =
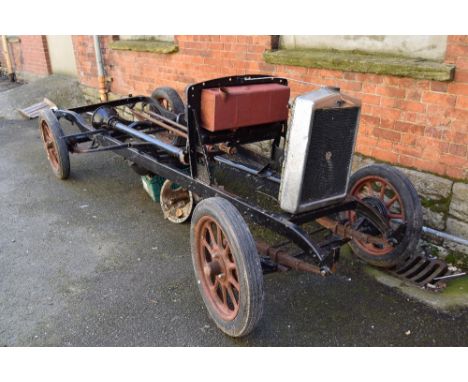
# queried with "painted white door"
point(62, 57)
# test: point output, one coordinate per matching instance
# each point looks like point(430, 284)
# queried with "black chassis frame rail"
point(200, 182)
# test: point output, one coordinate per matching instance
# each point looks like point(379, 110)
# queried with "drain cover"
point(424, 271)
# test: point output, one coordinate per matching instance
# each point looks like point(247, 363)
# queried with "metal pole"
point(6, 55)
point(100, 69)
point(444, 235)
point(178, 152)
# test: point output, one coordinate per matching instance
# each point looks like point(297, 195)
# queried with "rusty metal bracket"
point(281, 257)
point(346, 231)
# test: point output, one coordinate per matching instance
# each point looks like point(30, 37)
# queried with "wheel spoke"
point(382, 190)
point(234, 282)
point(207, 245)
point(211, 234)
point(214, 285)
point(219, 237)
point(224, 295)
point(395, 216)
point(391, 201)
point(231, 296)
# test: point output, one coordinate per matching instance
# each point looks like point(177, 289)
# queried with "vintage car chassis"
point(112, 135)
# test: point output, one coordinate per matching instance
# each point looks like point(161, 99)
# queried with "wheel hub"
point(216, 268)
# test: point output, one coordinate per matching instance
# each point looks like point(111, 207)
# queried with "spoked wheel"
point(169, 104)
point(393, 196)
point(227, 266)
point(55, 146)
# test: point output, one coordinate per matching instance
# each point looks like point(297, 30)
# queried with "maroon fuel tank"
point(240, 106)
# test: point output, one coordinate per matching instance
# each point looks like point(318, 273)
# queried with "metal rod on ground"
point(100, 68)
point(444, 235)
point(6, 54)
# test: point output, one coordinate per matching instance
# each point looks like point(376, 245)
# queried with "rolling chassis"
point(225, 257)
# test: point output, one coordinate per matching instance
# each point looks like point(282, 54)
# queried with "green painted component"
point(362, 62)
point(152, 185)
point(151, 46)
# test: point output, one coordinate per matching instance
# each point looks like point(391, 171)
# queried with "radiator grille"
point(330, 153)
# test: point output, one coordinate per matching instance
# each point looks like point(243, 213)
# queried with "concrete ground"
point(62, 90)
point(91, 262)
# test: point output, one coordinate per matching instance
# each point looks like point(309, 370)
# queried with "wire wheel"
point(217, 267)
point(393, 196)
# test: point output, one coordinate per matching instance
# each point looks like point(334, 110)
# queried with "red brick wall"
point(414, 123)
point(30, 55)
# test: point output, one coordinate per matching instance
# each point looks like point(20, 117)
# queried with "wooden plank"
point(34, 110)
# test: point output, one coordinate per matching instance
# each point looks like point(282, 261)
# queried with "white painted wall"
point(429, 47)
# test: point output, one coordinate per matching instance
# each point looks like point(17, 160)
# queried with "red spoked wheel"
point(393, 196)
point(227, 266)
point(378, 192)
point(49, 145)
point(55, 147)
point(218, 268)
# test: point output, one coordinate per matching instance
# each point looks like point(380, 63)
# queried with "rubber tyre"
point(249, 270)
point(62, 168)
point(412, 212)
point(175, 104)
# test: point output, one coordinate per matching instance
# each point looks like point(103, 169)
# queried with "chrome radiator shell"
point(331, 119)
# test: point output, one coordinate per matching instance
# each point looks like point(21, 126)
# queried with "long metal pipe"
point(178, 152)
point(143, 116)
point(7, 56)
point(445, 235)
point(100, 69)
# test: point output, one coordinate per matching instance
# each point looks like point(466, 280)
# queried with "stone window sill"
point(352, 61)
point(13, 39)
point(161, 47)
